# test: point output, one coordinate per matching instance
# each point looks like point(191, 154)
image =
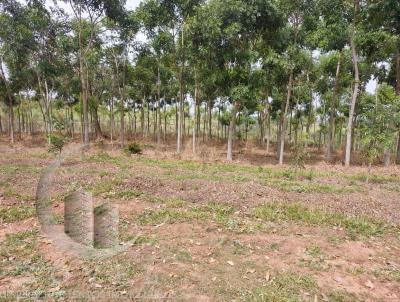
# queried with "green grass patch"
point(19, 245)
point(11, 193)
point(108, 187)
point(219, 171)
point(155, 217)
point(310, 187)
point(175, 213)
point(389, 273)
point(13, 214)
point(372, 178)
point(283, 288)
point(125, 194)
point(342, 296)
point(363, 226)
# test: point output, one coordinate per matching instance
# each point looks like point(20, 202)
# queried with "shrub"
point(56, 143)
point(133, 148)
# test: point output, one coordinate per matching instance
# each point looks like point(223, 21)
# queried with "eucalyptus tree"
point(355, 18)
point(384, 15)
point(376, 126)
point(237, 26)
point(161, 44)
point(301, 17)
point(330, 35)
point(89, 15)
point(122, 40)
point(14, 50)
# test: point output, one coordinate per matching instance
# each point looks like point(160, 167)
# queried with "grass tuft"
point(284, 287)
point(13, 214)
point(363, 226)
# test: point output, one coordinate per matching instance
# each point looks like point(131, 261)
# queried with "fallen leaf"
point(369, 284)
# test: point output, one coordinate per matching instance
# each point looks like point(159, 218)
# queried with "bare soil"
point(199, 237)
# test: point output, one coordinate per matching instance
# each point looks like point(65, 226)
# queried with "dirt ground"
point(204, 229)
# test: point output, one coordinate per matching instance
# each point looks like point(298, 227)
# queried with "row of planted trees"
point(278, 70)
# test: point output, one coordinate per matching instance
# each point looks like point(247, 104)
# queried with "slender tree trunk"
point(181, 100)
point(97, 127)
point(112, 121)
point(142, 117)
point(19, 121)
point(158, 106)
point(85, 106)
point(386, 157)
point(331, 130)
point(232, 128)
point(283, 118)
point(122, 122)
point(268, 132)
point(165, 120)
point(10, 104)
point(195, 111)
point(353, 100)
point(180, 121)
point(209, 119)
point(398, 94)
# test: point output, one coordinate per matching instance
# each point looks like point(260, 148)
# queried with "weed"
point(133, 148)
point(107, 187)
point(342, 296)
point(372, 178)
point(184, 256)
point(125, 194)
point(354, 225)
point(56, 143)
point(391, 273)
point(311, 187)
point(13, 214)
point(284, 287)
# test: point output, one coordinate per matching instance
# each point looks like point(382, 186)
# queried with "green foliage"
point(299, 156)
point(56, 143)
point(378, 121)
point(133, 148)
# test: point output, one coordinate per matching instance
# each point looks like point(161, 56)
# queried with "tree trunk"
point(398, 93)
point(283, 118)
point(85, 106)
point(112, 120)
point(331, 130)
point(268, 132)
point(353, 99)
point(158, 107)
point(10, 104)
point(386, 157)
point(181, 101)
point(97, 127)
point(232, 128)
point(180, 120)
point(195, 111)
point(142, 117)
point(209, 106)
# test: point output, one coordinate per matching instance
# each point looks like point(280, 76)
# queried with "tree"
point(95, 10)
